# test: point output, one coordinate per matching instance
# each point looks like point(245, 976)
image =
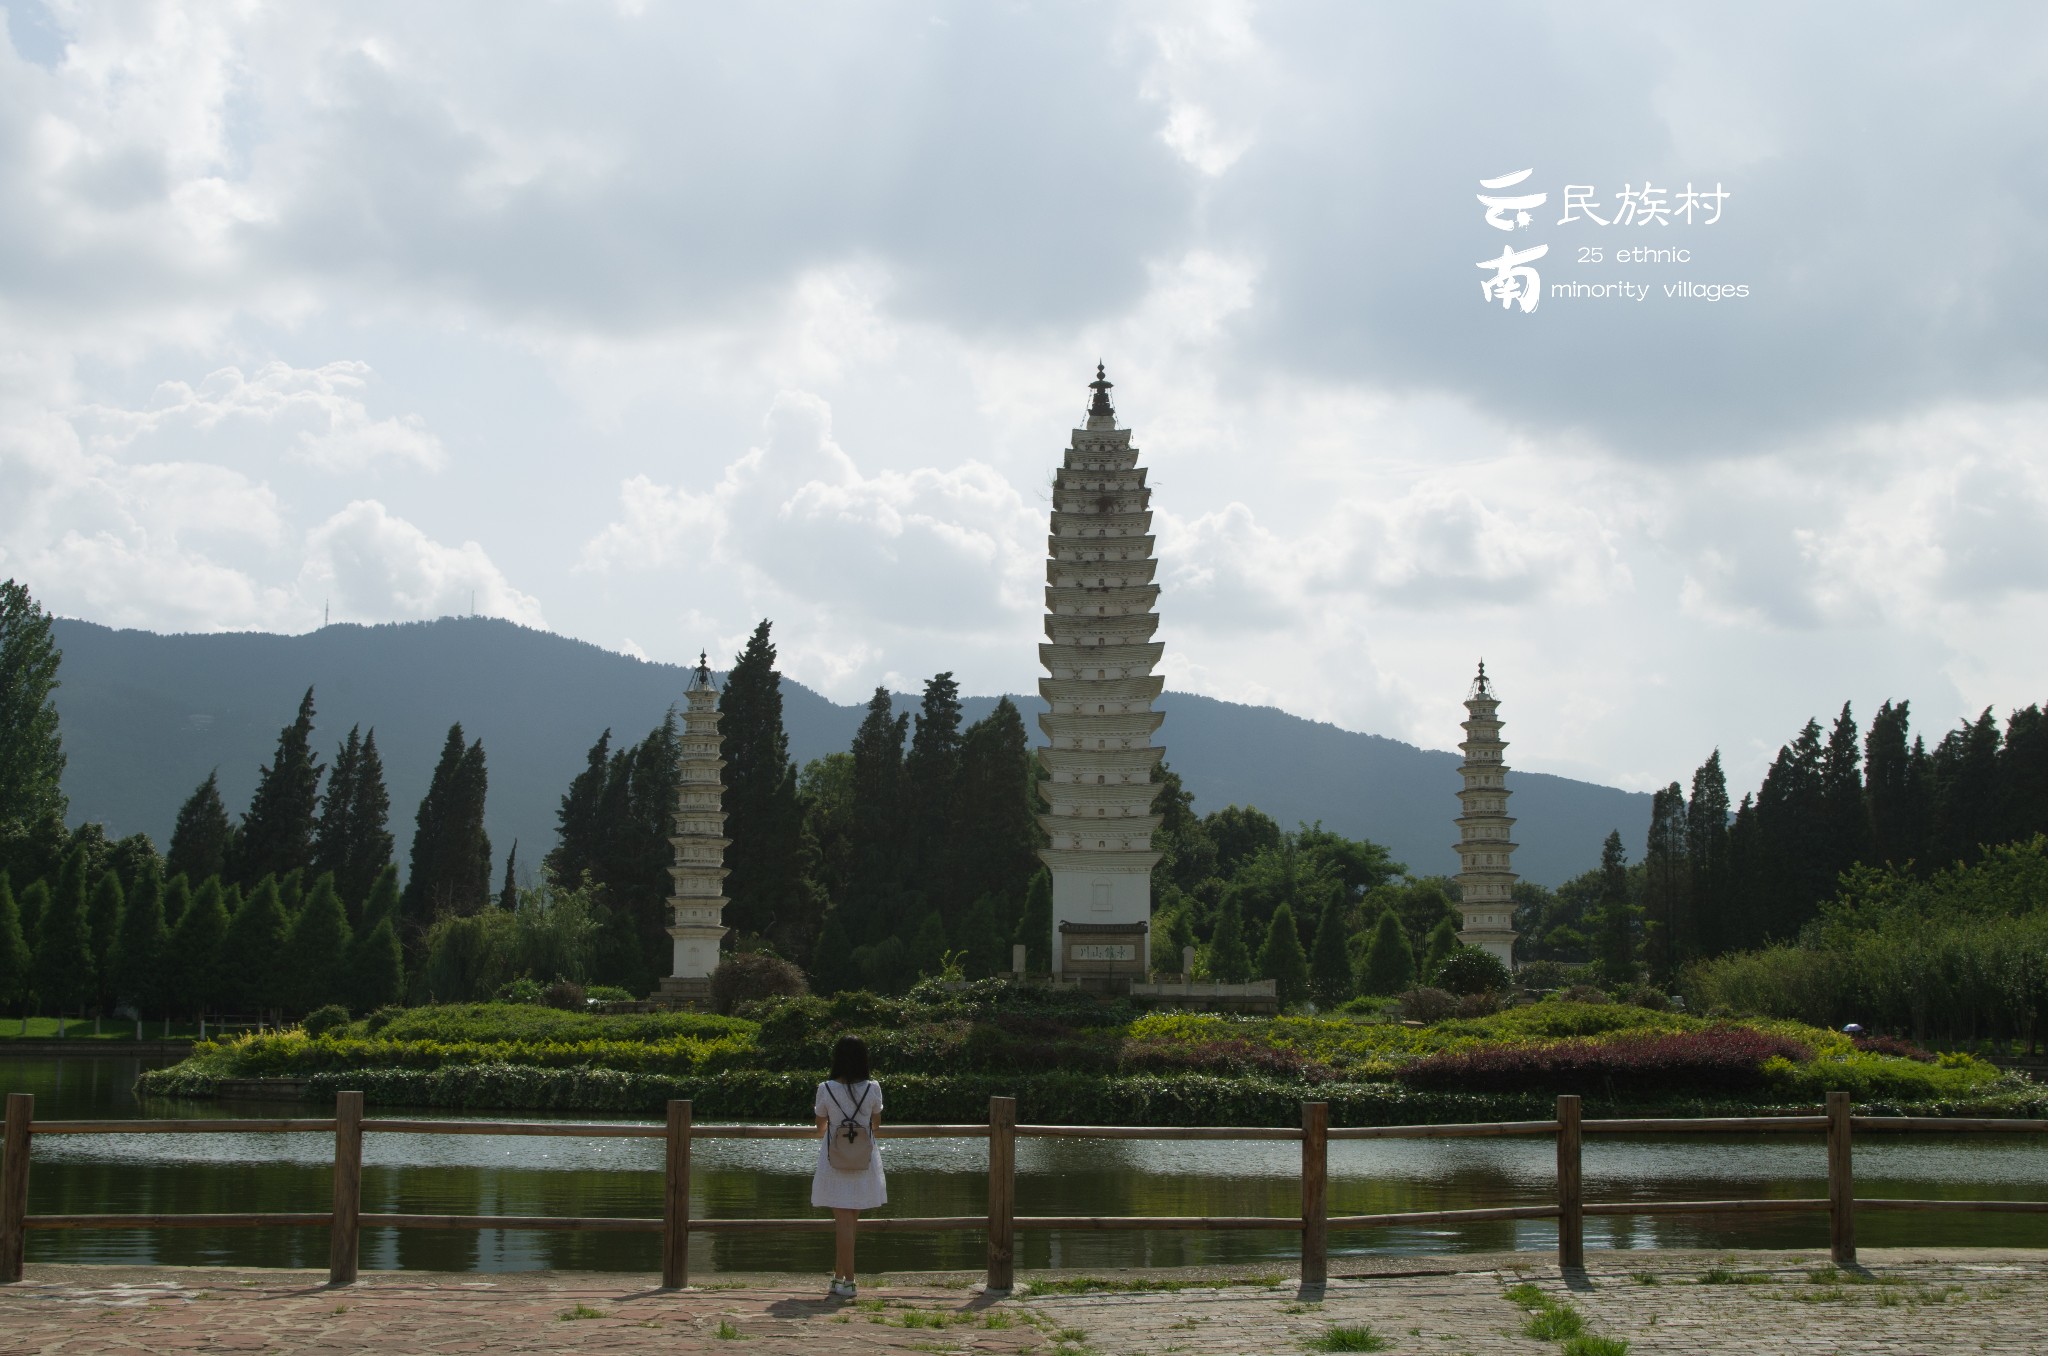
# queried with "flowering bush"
point(1720, 1059)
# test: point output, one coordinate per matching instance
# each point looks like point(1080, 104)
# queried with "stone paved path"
point(1900, 1301)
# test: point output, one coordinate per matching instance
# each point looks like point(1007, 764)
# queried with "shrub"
point(1584, 993)
point(565, 994)
point(747, 976)
point(1483, 1004)
point(1645, 996)
point(1541, 975)
point(382, 1018)
point(1720, 1059)
point(1427, 1005)
point(322, 1020)
point(1892, 1045)
point(1470, 970)
point(607, 993)
point(521, 990)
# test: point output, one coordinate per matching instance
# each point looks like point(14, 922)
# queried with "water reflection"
point(463, 1174)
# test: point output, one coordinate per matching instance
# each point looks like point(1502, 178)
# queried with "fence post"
point(1571, 1219)
point(1315, 1192)
point(345, 1233)
point(21, 1110)
point(1002, 1194)
point(675, 1199)
point(1841, 1182)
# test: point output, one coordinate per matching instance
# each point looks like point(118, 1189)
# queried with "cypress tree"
point(995, 827)
point(277, 832)
point(14, 953)
point(64, 976)
point(1441, 942)
point(177, 899)
point(1281, 959)
point(1389, 966)
point(1229, 961)
point(33, 902)
point(1706, 847)
point(139, 951)
point(1034, 924)
point(634, 874)
point(875, 879)
point(508, 893)
point(331, 830)
point(31, 753)
point(376, 968)
point(764, 819)
point(250, 952)
point(195, 950)
point(1329, 964)
point(832, 969)
point(382, 905)
point(1187, 855)
point(353, 840)
point(1667, 880)
point(316, 951)
point(451, 854)
point(931, 773)
point(1615, 948)
point(1792, 875)
point(203, 838)
point(579, 823)
point(2023, 775)
point(985, 940)
point(1845, 826)
point(1964, 768)
point(1892, 788)
point(928, 947)
point(103, 921)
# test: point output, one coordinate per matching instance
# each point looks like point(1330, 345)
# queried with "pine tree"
point(64, 977)
point(1281, 959)
point(315, 954)
point(1034, 925)
point(250, 952)
point(1229, 961)
point(1389, 965)
point(451, 854)
point(277, 832)
point(931, 774)
point(1330, 957)
point(376, 968)
point(103, 920)
point(1441, 942)
point(195, 950)
point(763, 817)
point(1615, 943)
point(14, 952)
point(1669, 938)
point(139, 951)
point(31, 752)
point(203, 838)
point(1706, 848)
point(508, 893)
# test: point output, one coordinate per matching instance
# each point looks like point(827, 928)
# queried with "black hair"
point(850, 1060)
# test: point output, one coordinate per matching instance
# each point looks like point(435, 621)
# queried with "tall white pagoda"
point(697, 908)
point(1099, 600)
point(1486, 884)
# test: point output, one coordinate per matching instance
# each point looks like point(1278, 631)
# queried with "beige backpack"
point(849, 1145)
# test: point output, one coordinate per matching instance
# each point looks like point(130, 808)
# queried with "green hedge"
point(1042, 1098)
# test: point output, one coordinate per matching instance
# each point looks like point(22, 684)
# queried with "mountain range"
point(145, 717)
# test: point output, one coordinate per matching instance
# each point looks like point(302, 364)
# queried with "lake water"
point(469, 1174)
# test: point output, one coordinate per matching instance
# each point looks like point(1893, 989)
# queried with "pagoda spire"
point(1099, 755)
point(1486, 884)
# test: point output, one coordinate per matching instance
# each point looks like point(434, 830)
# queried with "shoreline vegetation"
point(1071, 1059)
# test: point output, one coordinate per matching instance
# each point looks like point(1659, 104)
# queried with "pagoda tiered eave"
point(1100, 691)
point(1089, 762)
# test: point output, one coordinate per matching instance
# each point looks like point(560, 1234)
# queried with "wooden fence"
point(346, 1220)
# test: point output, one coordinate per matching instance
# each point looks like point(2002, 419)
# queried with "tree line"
point(1715, 879)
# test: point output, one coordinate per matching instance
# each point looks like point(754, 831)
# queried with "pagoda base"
point(676, 989)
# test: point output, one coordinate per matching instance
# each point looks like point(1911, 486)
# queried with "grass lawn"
point(80, 1028)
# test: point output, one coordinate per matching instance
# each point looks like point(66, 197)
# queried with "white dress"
point(834, 1188)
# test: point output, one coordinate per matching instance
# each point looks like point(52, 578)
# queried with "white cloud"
point(376, 567)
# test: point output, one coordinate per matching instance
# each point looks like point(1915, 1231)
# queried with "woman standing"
point(849, 1176)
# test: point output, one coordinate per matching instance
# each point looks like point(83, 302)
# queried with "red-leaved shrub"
point(1720, 1059)
point(1892, 1045)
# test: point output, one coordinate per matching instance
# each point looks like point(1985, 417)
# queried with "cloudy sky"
point(640, 322)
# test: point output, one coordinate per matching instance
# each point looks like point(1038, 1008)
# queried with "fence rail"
point(346, 1220)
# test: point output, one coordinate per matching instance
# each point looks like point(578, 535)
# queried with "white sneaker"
point(841, 1289)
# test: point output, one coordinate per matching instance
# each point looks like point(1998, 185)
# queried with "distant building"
point(1486, 884)
point(697, 908)
point(1099, 600)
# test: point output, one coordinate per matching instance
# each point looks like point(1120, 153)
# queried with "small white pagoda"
point(1099, 721)
point(1486, 884)
point(697, 908)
